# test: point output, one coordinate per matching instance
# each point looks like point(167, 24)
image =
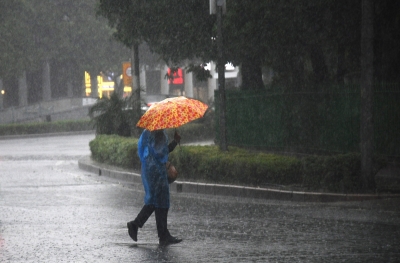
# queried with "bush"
point(337, 173)
point(205, 163)
point(115, 150)
point(209, 164)
point(45, 127)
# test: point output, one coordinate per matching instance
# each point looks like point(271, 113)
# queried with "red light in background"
point(178, 77)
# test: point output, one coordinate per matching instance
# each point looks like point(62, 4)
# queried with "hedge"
point(337, 173)
point(237, 166)
point(115, 150)
point(45, 127)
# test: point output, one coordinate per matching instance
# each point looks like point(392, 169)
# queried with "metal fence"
point(311, 122)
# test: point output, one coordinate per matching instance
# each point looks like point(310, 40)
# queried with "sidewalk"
point(92, 166)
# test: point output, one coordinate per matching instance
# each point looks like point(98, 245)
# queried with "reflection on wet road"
point(50, 211)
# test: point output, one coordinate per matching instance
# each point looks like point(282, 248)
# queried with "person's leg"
point(164, 236)
point(139, 221)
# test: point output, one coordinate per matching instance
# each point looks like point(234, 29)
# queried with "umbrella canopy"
point(172, 113)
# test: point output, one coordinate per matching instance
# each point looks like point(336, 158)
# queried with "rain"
point(294, 157)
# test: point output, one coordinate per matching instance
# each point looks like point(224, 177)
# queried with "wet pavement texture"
point(51, 211)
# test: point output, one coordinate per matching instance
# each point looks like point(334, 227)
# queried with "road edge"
point(89, 165)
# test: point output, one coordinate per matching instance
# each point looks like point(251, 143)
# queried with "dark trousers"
point(143, 215)
point(162, 222)
point(161, 219)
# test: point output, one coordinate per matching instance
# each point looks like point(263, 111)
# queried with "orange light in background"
point(127, 73)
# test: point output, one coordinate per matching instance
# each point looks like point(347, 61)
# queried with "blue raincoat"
point(153, 153)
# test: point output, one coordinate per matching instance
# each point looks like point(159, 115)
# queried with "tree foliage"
point(15, 37)
point(305, 43)
point(66, 33)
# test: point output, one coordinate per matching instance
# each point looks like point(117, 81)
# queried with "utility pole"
point(135, 81)
point(367, 79)
point(219, 7)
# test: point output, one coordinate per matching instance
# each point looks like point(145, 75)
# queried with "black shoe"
point(168, 240)
point(132, 230)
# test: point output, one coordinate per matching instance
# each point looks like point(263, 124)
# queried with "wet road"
point(50, 211)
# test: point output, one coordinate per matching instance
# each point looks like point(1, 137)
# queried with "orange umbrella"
point(172, 113)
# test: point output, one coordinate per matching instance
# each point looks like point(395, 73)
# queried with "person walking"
point(153, 150)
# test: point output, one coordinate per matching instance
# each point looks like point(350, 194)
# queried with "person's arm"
point(174, 143)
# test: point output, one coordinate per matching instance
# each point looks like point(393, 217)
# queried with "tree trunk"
point(338, 18)
point(70, 89)
point(251, 72)
point(136, 78)
point(297, 83)
point(135, 85)
point(22, 90)
point(118, 86)
point(318, 64)
point(340, 64)
point(94, 85)
point(367, 128)
point(46, 87)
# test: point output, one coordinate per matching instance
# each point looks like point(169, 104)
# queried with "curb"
point(87, 164)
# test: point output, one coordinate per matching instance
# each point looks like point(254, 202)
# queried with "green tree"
point(84, 41)
point(15, 37)
point(172, 29)
point(130, 18)
point(66, 33)
point(284, 35)
point(386, 40)
point(306, 43)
